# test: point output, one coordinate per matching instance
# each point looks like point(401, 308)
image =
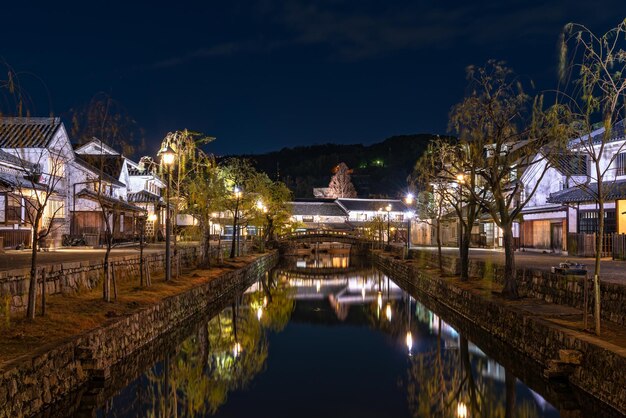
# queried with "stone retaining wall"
point(31, 382)
point(70, 277)
point(540, 284)
point(602, 371)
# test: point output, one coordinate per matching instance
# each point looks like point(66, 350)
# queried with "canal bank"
point(594, 366)
point(31, 382)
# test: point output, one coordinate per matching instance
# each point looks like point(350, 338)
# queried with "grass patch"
point(70, 315)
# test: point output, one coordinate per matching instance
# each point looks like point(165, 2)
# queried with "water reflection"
point(309, 344)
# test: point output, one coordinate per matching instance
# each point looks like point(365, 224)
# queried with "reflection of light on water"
point(380, 300)
point(388, 312)
point(259, 313)
point(318, 285)
point(409, 341)
point(433, 325)
point(363, 293)
point(264, 301)
point(461, 410)
point(236, 350)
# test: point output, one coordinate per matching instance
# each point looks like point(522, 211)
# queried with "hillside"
point(380, 169)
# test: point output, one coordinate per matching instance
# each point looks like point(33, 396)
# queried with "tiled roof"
point(18, 181)
point(96, 170)
point(317, 208)
point(588, 193)
point(9, 158)
point(108, 201)
point(26, 132)
point(143, 196)
point(372, 205)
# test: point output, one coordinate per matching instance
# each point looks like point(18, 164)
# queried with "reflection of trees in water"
point(445, 382)
point(223, 355)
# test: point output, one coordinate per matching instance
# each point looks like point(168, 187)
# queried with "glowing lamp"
point(168, 155)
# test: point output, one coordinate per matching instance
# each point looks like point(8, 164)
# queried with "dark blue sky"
point(262, 75)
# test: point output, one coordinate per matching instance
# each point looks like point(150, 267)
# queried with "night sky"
point(263, 75)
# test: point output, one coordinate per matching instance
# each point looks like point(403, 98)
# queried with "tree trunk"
point(471, 384)
point(32, 287)
point(43, 291)
point(439, 255)
point(232, 246)
point(510, 280)
point(206, 247)
point(106, 284)
point(596, 271)
point(464, 254)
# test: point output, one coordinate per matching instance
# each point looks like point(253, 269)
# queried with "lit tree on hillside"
point(341, 183)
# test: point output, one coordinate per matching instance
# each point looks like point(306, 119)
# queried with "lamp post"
point(168, 156)
point(388, 209)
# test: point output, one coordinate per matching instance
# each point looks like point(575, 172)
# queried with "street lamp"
point(168, 155)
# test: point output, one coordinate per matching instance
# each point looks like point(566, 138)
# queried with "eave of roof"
point(96, 171)
point(588, 192)
point(108, 201)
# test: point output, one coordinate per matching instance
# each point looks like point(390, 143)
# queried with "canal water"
point(329, 337)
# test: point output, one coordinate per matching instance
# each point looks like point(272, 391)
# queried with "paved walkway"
point(611, 271)
point(16, 259)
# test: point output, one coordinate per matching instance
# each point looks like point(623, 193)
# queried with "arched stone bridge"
point(321, 235)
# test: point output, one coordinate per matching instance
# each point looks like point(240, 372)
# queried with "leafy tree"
point(592, 72)
point(241, 180)
point(341, 183)
point(205, 196)
point(190, 160)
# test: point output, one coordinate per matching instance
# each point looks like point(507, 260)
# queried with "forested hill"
point(380, 169)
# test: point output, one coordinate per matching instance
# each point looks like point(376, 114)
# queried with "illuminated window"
point(56, 166)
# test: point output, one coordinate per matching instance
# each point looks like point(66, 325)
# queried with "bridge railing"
point(323, 233)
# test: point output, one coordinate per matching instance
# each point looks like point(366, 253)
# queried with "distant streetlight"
point(409, 198)
point(168, 156)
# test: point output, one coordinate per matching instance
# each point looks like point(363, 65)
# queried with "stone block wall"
point(32, 382)
point(71, 277)
point(602, 371)
point(541, 284)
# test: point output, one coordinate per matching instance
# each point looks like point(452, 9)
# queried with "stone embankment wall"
point(71, 277)
point(29, 383)
point(540, 284)
point(602, 370)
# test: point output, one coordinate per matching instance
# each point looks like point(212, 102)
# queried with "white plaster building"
point(565, 203)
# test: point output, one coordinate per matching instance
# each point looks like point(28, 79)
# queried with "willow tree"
point(593, 76)
point(272, 212)
point(205, 194)
point(503, 133)
point(186, 145)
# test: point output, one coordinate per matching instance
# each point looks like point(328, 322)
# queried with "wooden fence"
point(14, 237)
point(584, 245)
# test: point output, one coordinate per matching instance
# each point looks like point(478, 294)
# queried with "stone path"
point(17, 259)
point(611, 271)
